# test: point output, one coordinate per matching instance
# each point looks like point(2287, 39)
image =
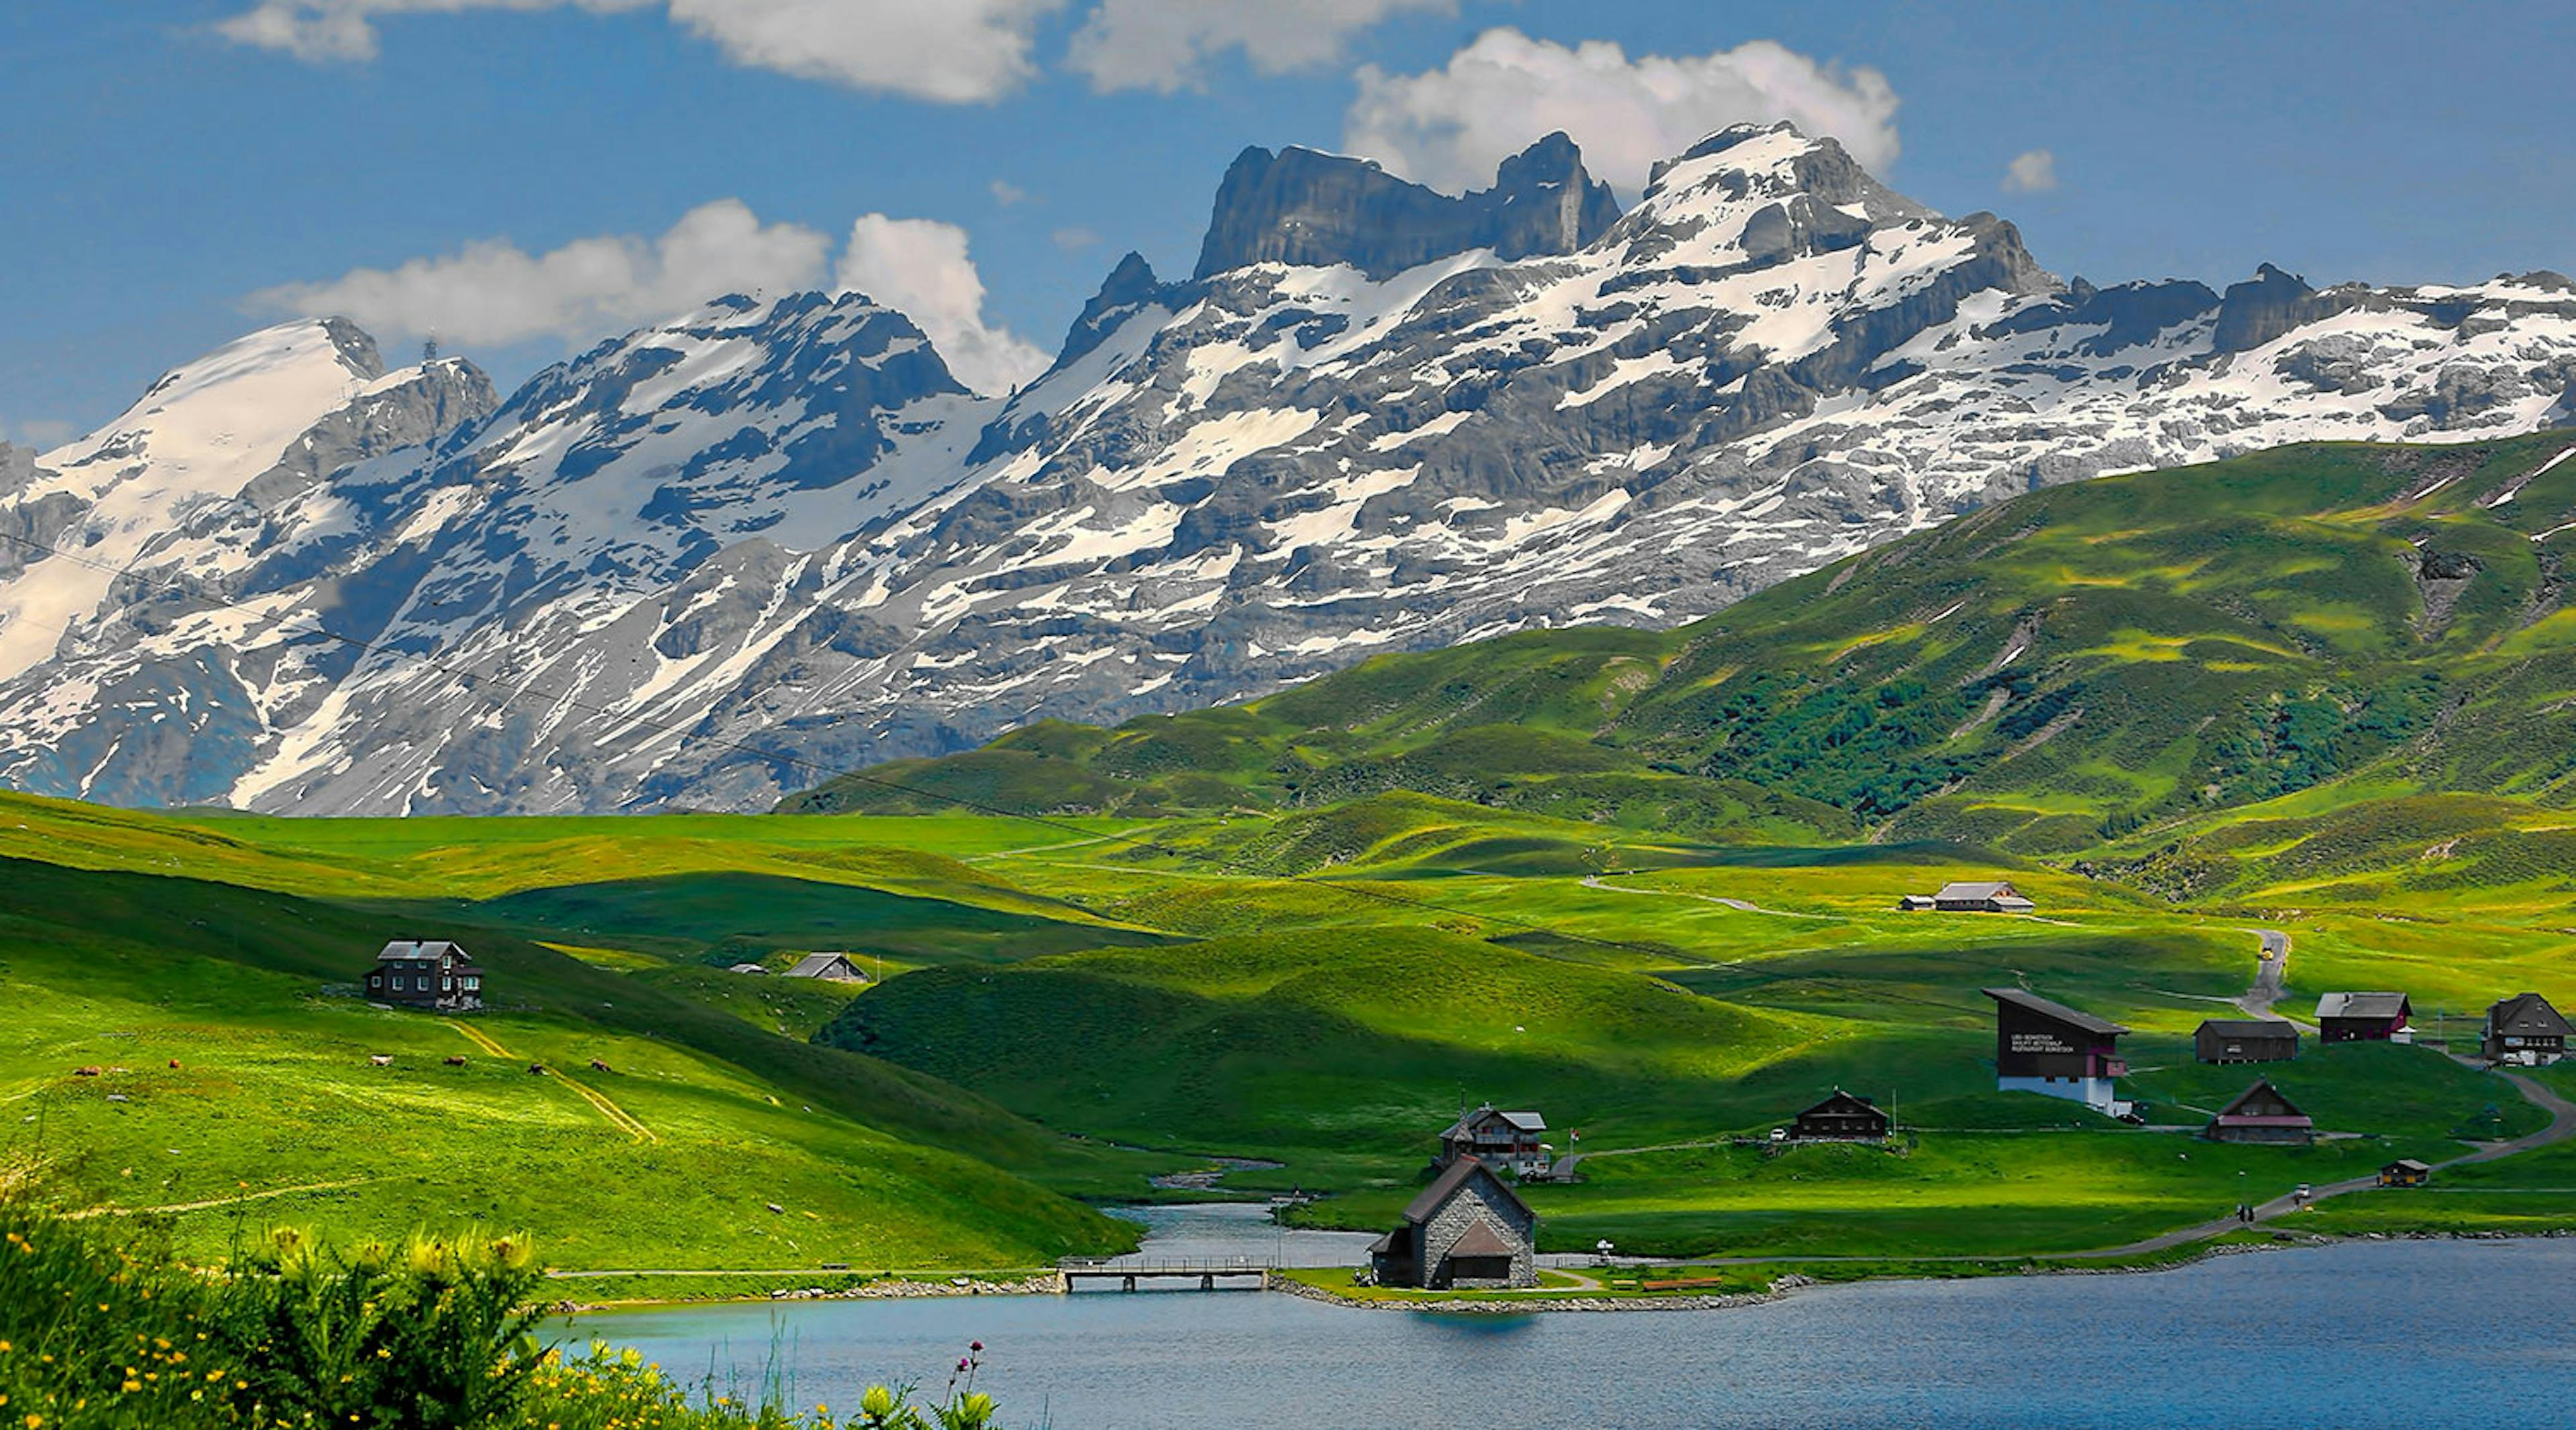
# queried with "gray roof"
point(2361, 1005)
point(2410, 1164)
point(1458, 1174)
point(815, 965)
point(403, 948)
point(2033, 1003)
point(1975, 889)
point(2527, 1013)
point(746, 968)
point(1525, 1121)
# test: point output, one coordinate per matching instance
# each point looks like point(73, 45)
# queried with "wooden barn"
point(2364, 1018)
point(2261, 1114)
point(2057, 1051)
point(1843, 1117)
point(830, 967)
point(1468, 1230)
point(2525, 1031)
point(1498, 1139)
point(425, 973)
point(2246, 1040)
point(1991, 896)
point(2405, 1172)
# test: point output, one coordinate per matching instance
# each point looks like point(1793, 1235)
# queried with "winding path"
point(618, 1117)
point(1593, 881)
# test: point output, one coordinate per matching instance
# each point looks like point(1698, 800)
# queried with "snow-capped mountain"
point(1376, 418)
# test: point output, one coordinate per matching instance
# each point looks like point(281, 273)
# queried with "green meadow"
point(1644, 883)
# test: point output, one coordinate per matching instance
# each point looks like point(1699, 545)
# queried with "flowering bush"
point(101, 1329)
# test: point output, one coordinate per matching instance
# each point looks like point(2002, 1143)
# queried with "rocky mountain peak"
point(1311, 209)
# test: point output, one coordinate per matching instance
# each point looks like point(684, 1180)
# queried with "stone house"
point(1467, 1231)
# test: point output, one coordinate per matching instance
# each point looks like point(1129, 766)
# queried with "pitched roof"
point(2033, 1003)
point(1482, 1240)
point(2527, 1013)
point(814, 965)
point(2250, 1027)
point(2361, 1005)
point(1525, 1121)
point(420, 948)
point(2410, 1164)
point(1459, 1173)
point(2287, 1113)
point(1975, 889)
point(1842, 1101)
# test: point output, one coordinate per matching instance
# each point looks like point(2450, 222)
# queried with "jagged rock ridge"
point(783, 527)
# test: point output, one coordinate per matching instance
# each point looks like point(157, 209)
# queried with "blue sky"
point(176, 172)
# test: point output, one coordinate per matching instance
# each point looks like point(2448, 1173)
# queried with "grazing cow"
point(537, 1069)
point(174, 1062)
point(85, 1072)
point(457, 1061)
point(597, 1066)
point(382, 1060)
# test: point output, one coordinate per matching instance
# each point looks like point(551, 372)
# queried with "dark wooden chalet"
point(2246, 1040)
point(830, 967)
point(1468, 1230)
point(2405, 1172)
point(417, 973)
point(2057, 1051)
point(2261, 1114)
point(1498, 1139)
point(2526, 1031)
point(2364, 1018)
point(1842, 1117)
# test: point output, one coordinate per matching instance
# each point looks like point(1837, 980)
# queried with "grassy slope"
point(2273, 676)
point(876, 1164)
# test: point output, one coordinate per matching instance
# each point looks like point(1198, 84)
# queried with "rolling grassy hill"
point(1641, 882)
point(2249, 676)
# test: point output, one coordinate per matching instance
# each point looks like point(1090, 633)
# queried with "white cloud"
point(1163, 44)
point(1449, 127)
point(1074, 239)
point(956, 51)
point(920, 266)
point(1007, 193)
point(2031, 172)
point(491, 291)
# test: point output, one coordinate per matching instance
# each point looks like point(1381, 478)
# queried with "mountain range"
point(702, 564)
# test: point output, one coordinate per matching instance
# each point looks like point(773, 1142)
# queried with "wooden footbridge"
point(1236, 1275)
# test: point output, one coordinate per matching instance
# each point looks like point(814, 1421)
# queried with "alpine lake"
point(2370, 1333)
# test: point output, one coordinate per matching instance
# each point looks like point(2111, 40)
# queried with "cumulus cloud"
point(1449, 127)
point(1164, 44)
point(957, 51)
point(2030, 172)
point(921, 267)
point(492, 291)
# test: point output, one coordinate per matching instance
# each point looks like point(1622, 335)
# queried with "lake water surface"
point(2369, 1334)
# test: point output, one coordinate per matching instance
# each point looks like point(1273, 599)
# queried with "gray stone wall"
point(1474, 1203)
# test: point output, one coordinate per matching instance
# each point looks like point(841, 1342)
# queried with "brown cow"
point(456, 1061)
point(86, 1072)
point(597, 1066)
